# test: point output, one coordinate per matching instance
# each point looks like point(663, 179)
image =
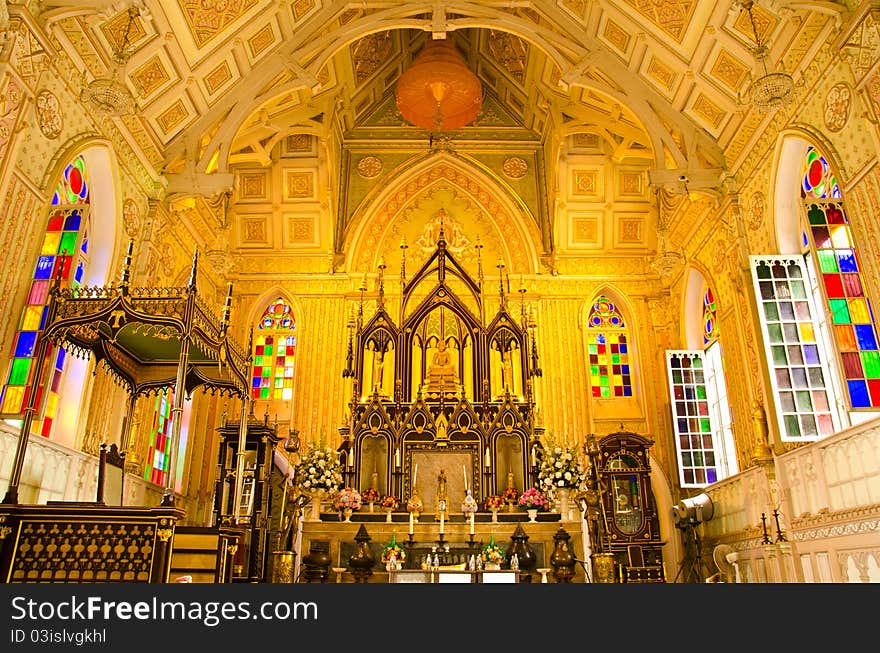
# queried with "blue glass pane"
point(627, 391)
point(600, 338)
point(44, 267)
point(858, 394)
point(711, 475)
point(59, 362)
point(865, 336)
point(847, 260)
point(25, 346)
point(624, 348)
point(72, 221)
point(43, 316)
point(256, 383)
point(624, 369)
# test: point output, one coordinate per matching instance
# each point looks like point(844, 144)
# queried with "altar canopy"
point(442, 386)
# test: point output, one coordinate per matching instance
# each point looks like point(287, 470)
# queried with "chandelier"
point(438, 92)
point(109, 96)
point(771, 90)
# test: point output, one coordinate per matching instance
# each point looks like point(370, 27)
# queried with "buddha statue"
point(441, 373)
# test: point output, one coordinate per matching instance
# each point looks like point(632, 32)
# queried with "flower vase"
point(371, 506)
point(388, 516)
point(533, 514)
point(315, 511)
point(492, 566)
point(564, 493)
point(495, 515)
point(347, 514)
point(509, 506)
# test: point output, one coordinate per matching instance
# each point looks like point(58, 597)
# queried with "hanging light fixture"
point(439, 92)
point(109, 96)
point(771, 90)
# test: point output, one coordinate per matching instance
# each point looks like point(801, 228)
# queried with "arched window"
point(608, 351)
point(819, 332)
point(701, 414)
point(274, 350)
point(66, 239)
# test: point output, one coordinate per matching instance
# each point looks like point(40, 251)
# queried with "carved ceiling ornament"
point(515, 167)
point(838, 103)
point(369, 54)
point(48, 111)
point(369, 167)
point(131, 220)
point(209, 18)
point(511, 52)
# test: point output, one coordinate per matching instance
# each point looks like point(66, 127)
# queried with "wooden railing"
point(85, 543)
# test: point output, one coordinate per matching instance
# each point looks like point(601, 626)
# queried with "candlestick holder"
point(766, 539)
point(779, 536)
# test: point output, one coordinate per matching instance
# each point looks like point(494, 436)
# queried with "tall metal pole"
point(239, 460)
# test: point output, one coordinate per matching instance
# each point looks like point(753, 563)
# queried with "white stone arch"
point(785, 185)
point(105, 242)
point(698, 277)
point(376, 203)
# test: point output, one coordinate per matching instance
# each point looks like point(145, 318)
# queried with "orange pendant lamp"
point(438, 92)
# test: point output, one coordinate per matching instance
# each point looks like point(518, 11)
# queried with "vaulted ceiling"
point(220, 82)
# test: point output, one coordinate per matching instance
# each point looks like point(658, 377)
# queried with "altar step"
point(195, 554)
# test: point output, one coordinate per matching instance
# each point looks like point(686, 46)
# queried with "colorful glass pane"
point(273, 353)
point(840, 277)
point(156, 470)
point(608, 352)
point(59, 244)
point(790, 331)
point(710, 321)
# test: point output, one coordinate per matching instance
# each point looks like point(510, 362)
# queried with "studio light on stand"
point(686, 516)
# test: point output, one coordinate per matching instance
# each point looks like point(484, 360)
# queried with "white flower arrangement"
point(560, 467)
point(320, 469)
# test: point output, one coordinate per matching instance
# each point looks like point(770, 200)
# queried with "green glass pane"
point(18, 374)
point(603, 380)
point(697, 363)
point(701, 392)
point(839, 311)
point(771, 311)
point(775, 332)
point(704, 426)
point(804, 403)
point(258, 361)
point(676, 376)
point(615, 359)
point(871, 364)
point(792, 427)
point(267, 350)
point(264, 393)
point(779, 357)
point(606, 392)
point(68, 242)
point(827, 260)
point(763, 271)
point(594, 370)
point(816, 215)
point(798, 290)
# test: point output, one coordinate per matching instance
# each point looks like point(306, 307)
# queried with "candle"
point(472, 523)
point(351, 458)
point(488, 460)
point(411, 524)
point(464, 472)
point(415, 476)
point(534, 458)
point(441, 523)
point(397, 457)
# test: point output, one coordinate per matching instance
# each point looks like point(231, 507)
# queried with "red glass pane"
point(833, 286)
point(814, 173)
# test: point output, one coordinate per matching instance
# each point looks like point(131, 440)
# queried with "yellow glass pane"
point(840, 236)
point(31, 319)
point(52, 405)
point(858, 311)
point(806, 332)
point(12, 399)
point(51, 241)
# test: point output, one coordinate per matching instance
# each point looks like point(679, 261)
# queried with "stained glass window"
point(274, 350)
point(839, 274)
point(795, 356)
point(65, 235)
point(608, 351)
point(710, 321)
point(160, 440)
point(691, 418)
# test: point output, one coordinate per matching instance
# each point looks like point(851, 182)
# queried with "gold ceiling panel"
point(207, 19)
point(672, 16)
point(114, 30)
point(707, 111)
point(150, 76)
point(616, 36)
point(729, 70)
